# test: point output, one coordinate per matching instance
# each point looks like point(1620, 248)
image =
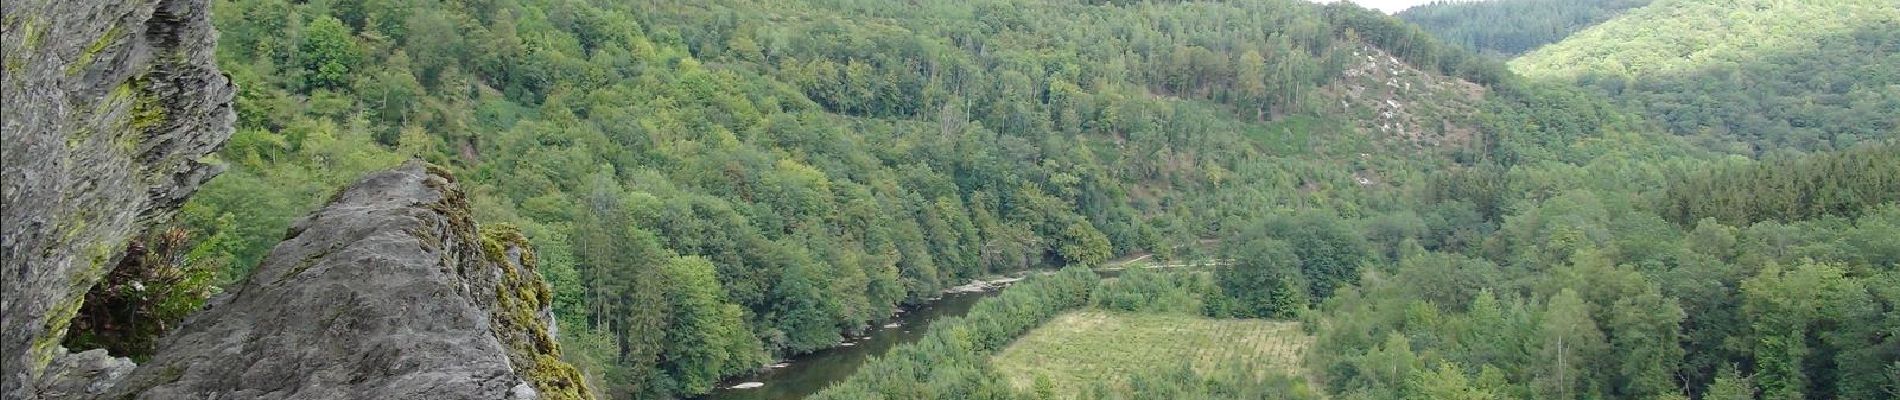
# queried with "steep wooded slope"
point(716, 183)
point(1752, 76)
point(1511, 27)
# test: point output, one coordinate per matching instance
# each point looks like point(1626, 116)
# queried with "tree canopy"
point(715, 184)
point(1507, 28)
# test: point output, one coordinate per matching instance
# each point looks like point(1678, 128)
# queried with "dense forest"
point(950, 362)
point(705, 202)
point(1754, 77)
point(1507, 28)
point(713, 185)
point(827, 162)
point(1586, 293)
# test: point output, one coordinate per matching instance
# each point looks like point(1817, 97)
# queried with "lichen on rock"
point(112, 108)
point(523, 321)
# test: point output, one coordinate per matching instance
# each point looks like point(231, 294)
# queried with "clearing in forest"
point(1080, 348)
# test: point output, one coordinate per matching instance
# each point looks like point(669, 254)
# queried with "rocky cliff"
point(389, 292)
point(110, 108)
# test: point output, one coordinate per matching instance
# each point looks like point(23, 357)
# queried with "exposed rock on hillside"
point(1399, 103)
point(388, 292)
point(110, 108)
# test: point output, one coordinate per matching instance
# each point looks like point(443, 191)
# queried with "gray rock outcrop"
point(389, 292)
point(110, 108)
point(82, 375)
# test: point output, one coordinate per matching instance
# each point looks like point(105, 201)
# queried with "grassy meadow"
point(1078, 349)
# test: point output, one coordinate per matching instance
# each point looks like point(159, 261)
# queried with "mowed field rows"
point(1078, 349)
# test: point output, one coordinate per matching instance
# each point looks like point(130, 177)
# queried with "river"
point(809, 373)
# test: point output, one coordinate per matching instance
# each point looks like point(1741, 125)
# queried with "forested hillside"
point(1587, 290)
point(1748, 77)
point(1840, 184)
point(1507, 28)
point(1564, 267)
point(715, 184)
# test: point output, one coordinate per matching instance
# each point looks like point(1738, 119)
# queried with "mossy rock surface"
point(114, 107)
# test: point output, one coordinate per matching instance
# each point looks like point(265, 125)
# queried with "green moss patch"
point(519, 296)
point(93, 50)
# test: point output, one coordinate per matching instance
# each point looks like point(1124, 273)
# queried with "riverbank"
point(805, 374)
point(992, 284)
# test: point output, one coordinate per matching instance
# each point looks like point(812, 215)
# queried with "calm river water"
point(810, 373)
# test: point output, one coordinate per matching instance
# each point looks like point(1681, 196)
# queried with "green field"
point(1080, 348)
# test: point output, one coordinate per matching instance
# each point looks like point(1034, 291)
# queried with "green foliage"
point(1448, 381)
point(1083, 245)
point(715, 184)
point(516, 317)
point(1507, 28)
point(1414, 45)
point(1241, 381)
point(1749, 77)
point(949, 362)
point(276, 177)
point(1140, 290)
point(804, 311)
point(1730, 385)
point(1570, 344)
point(328, 52)
point(1648, 330)
point(709, 338)
point(162, 278)
point(1263, 279)
point(1802, 188)
point(1635, 308)
point(830, 160)
point(1326, 251)
point(1787, 307)
point(1099, 353)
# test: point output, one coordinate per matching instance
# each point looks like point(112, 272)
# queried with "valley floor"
point(1078, 349)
